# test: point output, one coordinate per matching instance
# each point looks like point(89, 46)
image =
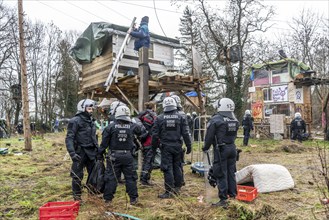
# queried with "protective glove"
point(188, 149)
point(75, 157)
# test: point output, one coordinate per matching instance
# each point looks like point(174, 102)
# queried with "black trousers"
point(246, 136)
point(115, 165)
point(297, 135)
point(171, 166)
point(224, 171)
point(148, 157)
point(77, 173)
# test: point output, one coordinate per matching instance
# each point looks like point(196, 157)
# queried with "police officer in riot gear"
point(180, 111)
point(297, 127)
point(81, 144)
point(118, 137)
point(168, 129)
point(248, 125)
point(113, 108)
point(189, 121)
point(221, 133)
point(196, 126)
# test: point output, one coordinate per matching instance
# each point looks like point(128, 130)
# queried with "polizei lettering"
point(122, 126)
point(170, 116)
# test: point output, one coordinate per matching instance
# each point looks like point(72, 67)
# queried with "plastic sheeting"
point(92, 41)
point(295, 67)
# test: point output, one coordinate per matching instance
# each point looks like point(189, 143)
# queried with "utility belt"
point(224, 144)
point(120, 151)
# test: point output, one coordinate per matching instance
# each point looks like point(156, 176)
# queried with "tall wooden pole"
point(143, 88)
point(25, 94)
point(143, 73)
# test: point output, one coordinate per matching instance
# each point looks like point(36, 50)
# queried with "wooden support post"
point(25, 94)
point(201, 104)
point(143, 88)
point(143, 74)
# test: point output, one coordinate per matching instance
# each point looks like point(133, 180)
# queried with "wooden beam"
point(190, 101)
point(126, 98)
point(92, 95)
point(201, 104)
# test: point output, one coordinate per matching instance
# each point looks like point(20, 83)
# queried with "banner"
point(279, 93)
point(299, 96)
point(257, 110)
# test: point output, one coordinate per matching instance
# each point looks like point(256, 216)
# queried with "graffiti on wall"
point(279, 93)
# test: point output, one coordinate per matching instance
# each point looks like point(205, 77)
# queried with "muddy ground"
point(32, 179)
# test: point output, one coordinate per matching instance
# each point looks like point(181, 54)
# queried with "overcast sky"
point(164, 18)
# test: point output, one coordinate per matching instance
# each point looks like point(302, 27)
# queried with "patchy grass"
point(30, 180)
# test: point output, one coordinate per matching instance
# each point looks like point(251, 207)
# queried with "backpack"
point(148, 119)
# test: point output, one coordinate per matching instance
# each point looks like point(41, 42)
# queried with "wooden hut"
point(277, 91)
point(98, 54)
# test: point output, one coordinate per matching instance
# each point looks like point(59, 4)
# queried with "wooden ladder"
point(119, 56)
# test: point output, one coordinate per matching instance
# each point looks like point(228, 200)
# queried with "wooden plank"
point(99, 75)
point(96, 67)
point(106, 59)
point(101, 69)
point(307, 94)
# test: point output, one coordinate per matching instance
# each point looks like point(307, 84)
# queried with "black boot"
point(133, 201)
point(176, 190)
point(221, 203)
point(165, 195)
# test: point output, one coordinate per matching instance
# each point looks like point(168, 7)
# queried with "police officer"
point(195, 126)
point(81, 144)
point(189, 121)
point(221, 133)
point(168, 128)
point(248, 125)
point(180, 111)
point(118, 137)
point(147, 117)
point(297, 127)
point(113, 108)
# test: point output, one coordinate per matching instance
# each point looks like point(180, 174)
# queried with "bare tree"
point(35, 58)
point(8, 77)
point(233, 26)
point(51, 72)
point(310, 40)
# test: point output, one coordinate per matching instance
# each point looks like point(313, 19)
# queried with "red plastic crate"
point(246, 193)
point(59, 210)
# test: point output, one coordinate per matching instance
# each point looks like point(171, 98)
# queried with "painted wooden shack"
point(278, 90)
